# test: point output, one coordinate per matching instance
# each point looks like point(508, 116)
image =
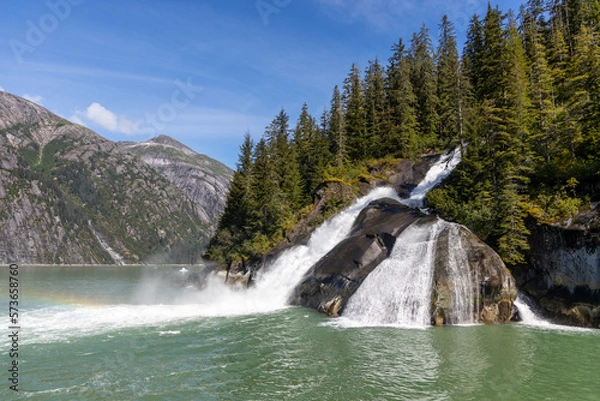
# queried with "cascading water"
point(462, 285)
point(287, 270)
point(273, 287)
point(435, 175)
point(398, 291)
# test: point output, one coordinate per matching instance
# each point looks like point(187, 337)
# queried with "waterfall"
point(398, 291)
point(435, 175)
point(462, 285)
point(283, 274)
point(277, 280)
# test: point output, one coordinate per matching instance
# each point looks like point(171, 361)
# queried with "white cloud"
point(107, 119)
point(2, 89)
point(34, 98)
point(102, 116)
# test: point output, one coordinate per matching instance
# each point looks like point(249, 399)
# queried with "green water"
point(135, 334)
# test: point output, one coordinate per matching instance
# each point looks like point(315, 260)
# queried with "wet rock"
point(563, 276)
point(334, 278)
point(331, 282)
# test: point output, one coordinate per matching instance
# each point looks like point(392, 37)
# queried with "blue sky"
point(203, 72)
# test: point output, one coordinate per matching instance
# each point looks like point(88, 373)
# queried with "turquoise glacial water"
point(134, 333)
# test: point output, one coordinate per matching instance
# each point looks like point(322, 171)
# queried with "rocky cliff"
point(69, 196)
point(205, 181)
point(564, 271)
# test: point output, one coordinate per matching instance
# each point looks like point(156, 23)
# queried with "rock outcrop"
point(330, 283)
point(491, 285)
point(564, 271)
point(69, 196)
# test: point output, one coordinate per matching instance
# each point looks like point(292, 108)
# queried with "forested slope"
point(523, 100)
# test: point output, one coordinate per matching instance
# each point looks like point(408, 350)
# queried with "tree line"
point(523, 101)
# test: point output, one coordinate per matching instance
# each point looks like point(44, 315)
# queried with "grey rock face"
point(69, 196)
point(205, 181)
point(564, 273)
point(330, 283)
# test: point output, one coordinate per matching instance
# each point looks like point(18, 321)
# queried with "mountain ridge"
point(70, 196)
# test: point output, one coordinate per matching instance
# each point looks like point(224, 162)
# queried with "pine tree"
point(355, 126)
point(375, 107)
point(312, 150)
point(235, 223)
point(335, 128)
point(535, 33)
point(448, 85)
point(473, 56)
point(282, 155)
point(514, 152)
point(401, 132)
point(424, 84)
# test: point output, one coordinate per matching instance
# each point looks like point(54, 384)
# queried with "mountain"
point(205, 181)
point(70, 196)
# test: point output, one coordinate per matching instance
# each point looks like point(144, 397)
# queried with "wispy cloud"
point(74, 70)
point(2, 89)
point(106, 119)
point(391, 15)
point(34, 98)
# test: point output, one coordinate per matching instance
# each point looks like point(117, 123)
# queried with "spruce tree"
point(335, 128)
point(355, 126)
point(312, 151)
point(401, 132)
point(424, 85)
point(375, 108)
point(448, 85)
point(514, 151)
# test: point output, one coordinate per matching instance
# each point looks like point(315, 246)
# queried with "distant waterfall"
point(398, 291)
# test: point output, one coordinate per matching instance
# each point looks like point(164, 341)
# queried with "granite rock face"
point(69, 196)
point(564, 271)
point(330, 283)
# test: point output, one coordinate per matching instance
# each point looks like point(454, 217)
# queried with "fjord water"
point(137, 333)
point(133, 333)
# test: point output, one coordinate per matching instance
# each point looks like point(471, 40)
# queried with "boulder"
point(332, 281)
point(329, 284)
point(482, 278)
